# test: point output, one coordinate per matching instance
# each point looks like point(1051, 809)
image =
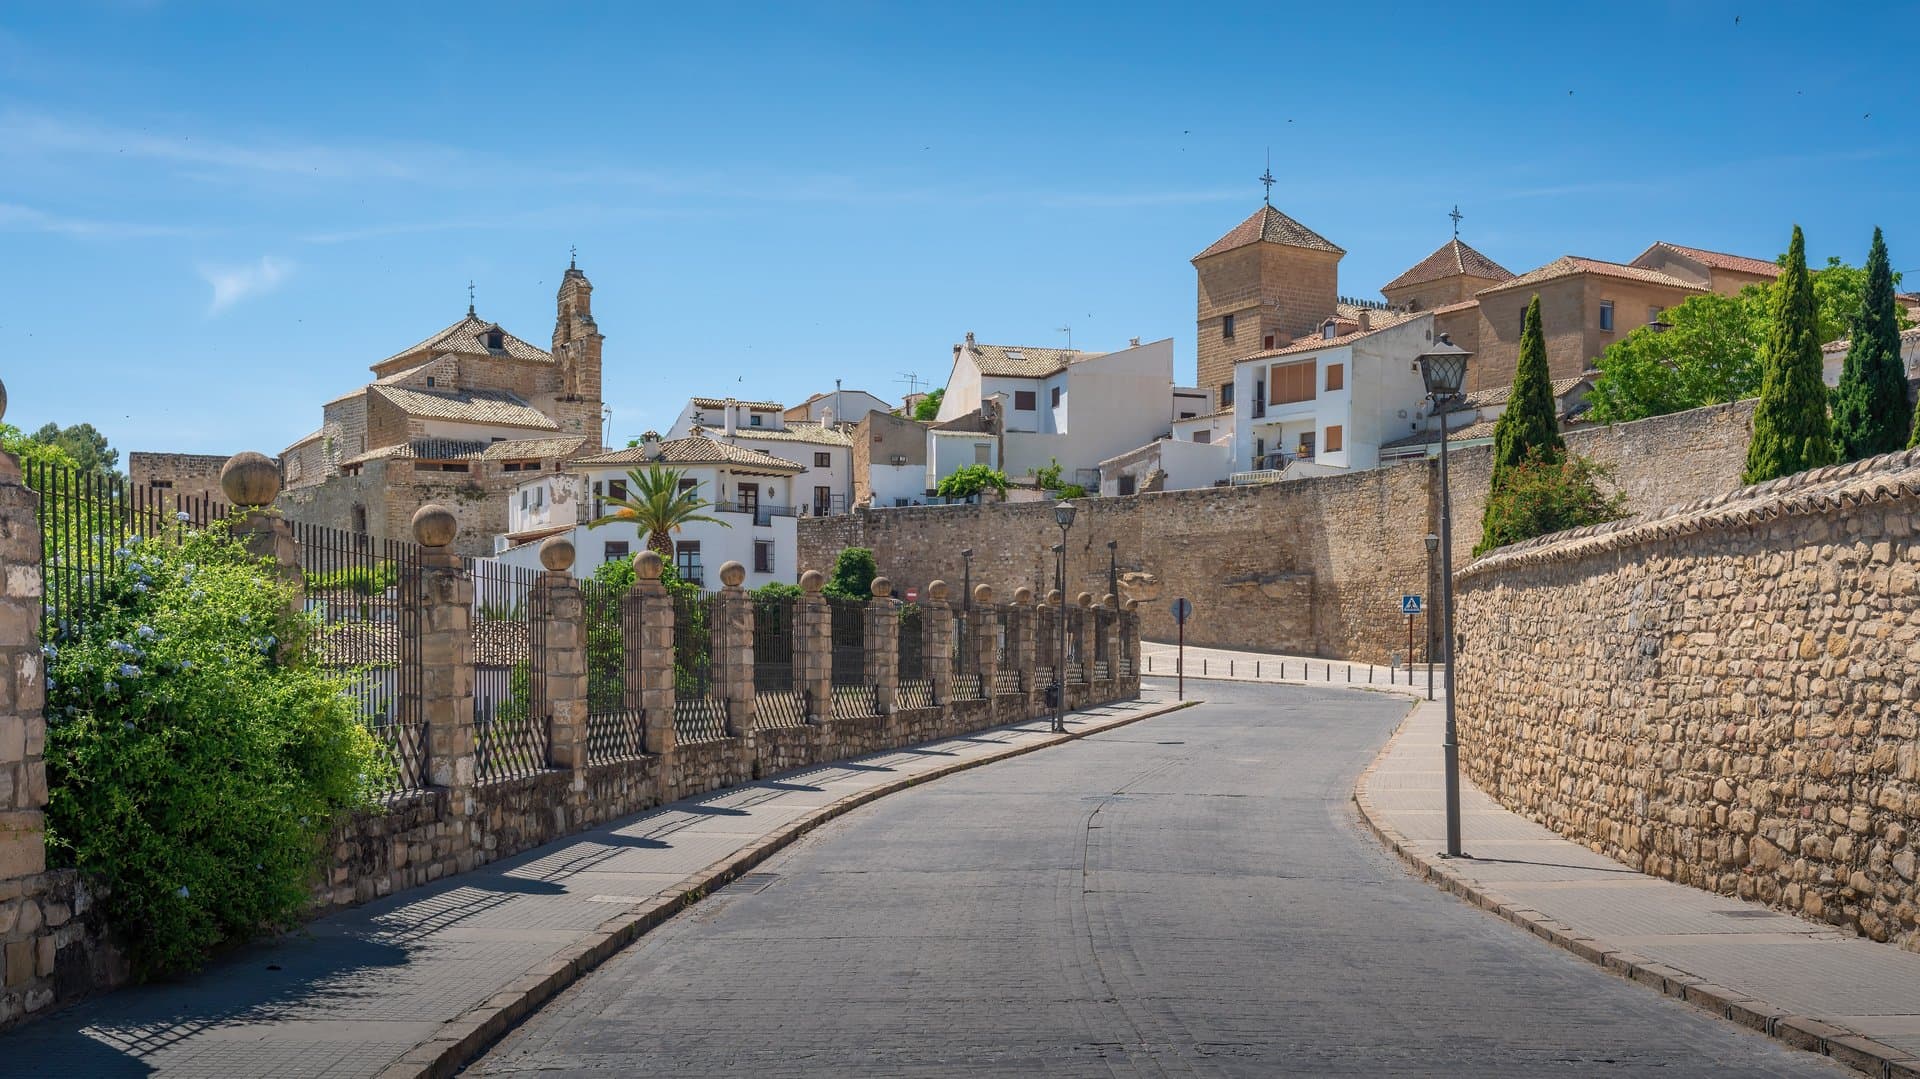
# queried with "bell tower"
point(576, 357)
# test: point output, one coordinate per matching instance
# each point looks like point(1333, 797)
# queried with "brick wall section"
point(1724, 695)
point(1269, 288)
point(187, 475)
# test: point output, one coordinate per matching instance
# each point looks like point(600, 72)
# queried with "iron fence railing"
point(509, 664)
point(507, 743)
point(853, 701)
point(700, 719)
point(777, 701)
point(915, 686)
point(1006, 680)
point(616, 735)
point(698, 715)
point(607, 633)
point(847, 623)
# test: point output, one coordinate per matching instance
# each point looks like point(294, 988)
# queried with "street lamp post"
point(1113, 567)
point(1433, 544)
point(1063, 515)
point(1443, 367)
point(966, 579)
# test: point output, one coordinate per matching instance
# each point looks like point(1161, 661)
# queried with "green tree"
point(929, 406)
point(1528, 429)
point(971, 480)
point(1871, 414)
point(86, 446)
point(853, 574)
point(1709, 356)
point(1543, 494)
point(656, 505)
point(1790, 432)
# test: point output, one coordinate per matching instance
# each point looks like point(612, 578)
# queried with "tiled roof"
point(448, 449)
point(796, 431)
point(1271, 226)
point(303, 440)
point(1018, 361)
point(697, 449)
point(464, 337)
point(1453, 258)
point(1569, 265)
point(494, 407)
point(1908, 338)
point(1314, 342)
point(1450, 308)
point(1719, 260)
point(1498, 395)
point(754, 406)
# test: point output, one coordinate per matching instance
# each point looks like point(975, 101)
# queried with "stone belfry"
point(576, 355)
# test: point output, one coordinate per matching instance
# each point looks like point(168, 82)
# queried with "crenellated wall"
point(1724, 695)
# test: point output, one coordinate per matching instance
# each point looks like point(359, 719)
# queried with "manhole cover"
point(752, 882)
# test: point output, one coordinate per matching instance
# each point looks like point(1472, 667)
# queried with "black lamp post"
point(1113, 568)
point(1443, 367)
point(966, 579)
point(1062, 515)
point(1433, 544)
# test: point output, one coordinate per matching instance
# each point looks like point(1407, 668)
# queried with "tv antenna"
point(1068, 330)
point(912, 380)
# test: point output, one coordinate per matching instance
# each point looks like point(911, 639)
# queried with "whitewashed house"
point(823, 448)
point(845, 405)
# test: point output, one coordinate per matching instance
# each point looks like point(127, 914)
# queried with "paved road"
point(1191, 895)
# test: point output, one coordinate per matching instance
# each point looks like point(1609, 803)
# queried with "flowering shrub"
point(194, 763)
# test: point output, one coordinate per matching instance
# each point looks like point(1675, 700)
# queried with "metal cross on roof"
point(1456, 215)
point(469, 296)
point(573, 256)
point(1267, 179)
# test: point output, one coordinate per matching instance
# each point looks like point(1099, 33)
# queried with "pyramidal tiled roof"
point(465, 337)
point(1452, 259)
point(1271, 226)
point(1568, 265)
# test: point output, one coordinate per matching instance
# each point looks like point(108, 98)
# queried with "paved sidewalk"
point(418, 982)
point(1810, 985)
point(1157, 658)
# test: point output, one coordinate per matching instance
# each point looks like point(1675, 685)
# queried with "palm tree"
point(656, 505)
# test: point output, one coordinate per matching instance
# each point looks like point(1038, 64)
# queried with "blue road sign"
point(1182, 610)
point(1410, 604)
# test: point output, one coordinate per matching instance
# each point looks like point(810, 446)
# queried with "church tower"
point(576, 358)
point(1265, 283)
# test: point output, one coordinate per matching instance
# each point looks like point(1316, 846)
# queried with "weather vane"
point(469, 296)
point(573, 256)
point(1267, 178)
point(1456, 215)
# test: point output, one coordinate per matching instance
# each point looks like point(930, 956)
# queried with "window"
point(1226, 327)
point(616, 550)
point(1226, 394)
point(1267, 341)
point(524, 498)
point(429, 382)
point(360, 520)
point(617, 488)
point(982, 453)
point(1653, 315)
point(520, 466)
point(1606, 315)
point(1336, 377)
point(1334, 436)
point(1203, 436)
point(1056, 397)
point(1292, 382)
point(750, 498)
point(1306, 444)
point(1126, 485)
point(686, 484)
point(1187, 415)
point(1329, 331)
point(823, 459)
point(686, 561)
point(160, 485)
point(754, 421)
point(496, 339)
point(763, 556)
point(822, 501)
point(1025, 400)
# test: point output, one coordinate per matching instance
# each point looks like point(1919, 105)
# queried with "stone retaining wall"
point(1724, 696)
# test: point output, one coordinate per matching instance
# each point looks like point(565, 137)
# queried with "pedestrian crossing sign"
point(1410, 604)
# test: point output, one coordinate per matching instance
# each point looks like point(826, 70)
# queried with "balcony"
point(762, 515)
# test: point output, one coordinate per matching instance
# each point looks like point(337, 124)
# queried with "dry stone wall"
point(1724, 695)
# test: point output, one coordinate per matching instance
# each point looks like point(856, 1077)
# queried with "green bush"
point(853, 574)
point(1545, 494)
point(195, 760)
point(971, 480)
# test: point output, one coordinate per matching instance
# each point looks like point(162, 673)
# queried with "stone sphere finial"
point(434, 525)
point(732, 574)
point(647, 565)
point(250, 479)
point(1131, 605)
point(937, 591)
point(812, 581)
point(1023, 595)
point(983, 593)
point(1110, 601)
point(556, 552)
point(3, 400)
point(1053, 597)
point(1084, 599)
point(882, 588)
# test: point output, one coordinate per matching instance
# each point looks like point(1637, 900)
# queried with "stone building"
point(1585, 305)
point(179, 475)
point(1268, 281)
point(889, 460)
point(1451, 274)
point(460, 419)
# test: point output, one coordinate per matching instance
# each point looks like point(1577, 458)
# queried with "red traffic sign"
point(913, 595)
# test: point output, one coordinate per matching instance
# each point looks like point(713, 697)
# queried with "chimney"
point(1366, 320)
point(826, 416)
point(969, 338)
point(732, 423)
point(1133, 342)
point(650, 445)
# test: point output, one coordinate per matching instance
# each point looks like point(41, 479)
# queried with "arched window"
point(360, 519)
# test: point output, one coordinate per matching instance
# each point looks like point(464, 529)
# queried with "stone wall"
point(182, 475)
point(1723, 695)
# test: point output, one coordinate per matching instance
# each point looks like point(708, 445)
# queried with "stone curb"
point(1799, 1031)
point(1418, 693)
point(459, 1041)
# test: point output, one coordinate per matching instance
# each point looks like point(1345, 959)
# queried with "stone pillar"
point(648, 616)
point(883, 645)
point(813, 647)
point(557, 640)
point(443, 598)
point(23, 727)
point(732, 643)
point(1080, 628)
point(1020, 643)
point(251, 481)
point(1130, 637)
point(984, 624)
point(936, 641)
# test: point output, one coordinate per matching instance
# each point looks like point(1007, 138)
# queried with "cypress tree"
point(1871, 414)
point(1529, 428)
point(1790, 432)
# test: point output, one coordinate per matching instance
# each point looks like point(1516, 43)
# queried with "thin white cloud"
point(17, 218)
point(35, 134)
point(231, 284)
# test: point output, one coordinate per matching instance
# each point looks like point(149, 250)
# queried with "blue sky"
point(214, 217)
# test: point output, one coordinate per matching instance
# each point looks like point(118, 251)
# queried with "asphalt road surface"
point(1190, 895)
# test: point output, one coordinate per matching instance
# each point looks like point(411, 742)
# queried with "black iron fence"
point(510, 714)
point(1102, 661)
point(1006, 679)
point(966, 659)
point(616, 735)
point(853, 694)
point(777, 701)
point(698, 716)
point(916, 685)
point(607, 633)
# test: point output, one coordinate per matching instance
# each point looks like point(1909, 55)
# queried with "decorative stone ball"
point(812, 581)
point(1053, 597)
point(1110, 601)
point(250, 479)
point(937, 591)
point(983, 594)
point(1084, 599)
point(1131, 605)
point(647, 565)
point(434, 525)
point(882, 587)
point(1023, 595)
point(732, 574)
point(556, 552)
point(3, 400)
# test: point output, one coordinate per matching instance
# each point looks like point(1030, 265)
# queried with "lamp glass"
point(1063, 513)
point(1443, 372)
point(1433, 543)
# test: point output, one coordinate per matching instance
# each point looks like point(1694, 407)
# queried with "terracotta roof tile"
point(464, 337)
point(796, 431)
point(448, 449)
point(1909, 336)
point(494, 407)
point(697, 449)
point(1719, 260)
point(1271, 226)
point(1019, 361)
point(1452, 259)
point(1450, 308)
point(1569, 265)
point(754, 406)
